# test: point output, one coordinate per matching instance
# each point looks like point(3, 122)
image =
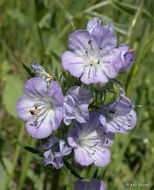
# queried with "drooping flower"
point(55, 150)
point(76, 104)
point(40, 72)
point(98, 22)
point(93, 55)
point(119, 116)
point(91, 142)
point(41, 107)
point(127, 57)
point(94, 184)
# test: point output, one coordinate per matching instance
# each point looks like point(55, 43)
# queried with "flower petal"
point(82, 157)
point(79, 40)
point(35, 87)
point(24, 105)
point(104, 38)
point(55, 92)
point(102, 156)
point(72, 63)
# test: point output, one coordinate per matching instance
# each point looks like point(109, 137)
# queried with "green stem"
point(55, 179)
point(39, 32)
point(25, 163)
point(15, 159)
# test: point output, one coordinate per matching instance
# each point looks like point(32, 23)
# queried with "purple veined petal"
point(80, 92)
point(79, 40)
point(92, 75)
point(82, 157)
point(72, 63)
point(85, 113)
point(24, 105)
point(91, 125)
point(110, 27)
point(76, 104)
point(120, 116)
point(80, 118)
point(102, 120)
point(55, 92)
point(102, 156)
point(57, 163)
point(108, 139)
point(104, 38)
point(127, 57)
point(72, 137)
point(93, 23)
point(57, 117)
point(67, 121)
point(112, 63)
point(69, 103)
point(35, 87)
point(42, 127)
point(64, 148)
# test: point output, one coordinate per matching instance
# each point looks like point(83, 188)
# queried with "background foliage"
point(38, 30)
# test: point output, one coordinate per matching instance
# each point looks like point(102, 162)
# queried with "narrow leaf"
point(28, 70)
point(28, 148)
point(131, 9)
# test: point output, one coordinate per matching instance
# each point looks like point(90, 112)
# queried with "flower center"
point(92, 59)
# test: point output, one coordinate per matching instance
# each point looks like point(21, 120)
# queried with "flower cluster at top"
point(94, 58)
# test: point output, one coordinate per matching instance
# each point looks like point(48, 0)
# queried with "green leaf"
point(2, 176)
point(28, 70)
point(28, 148)
point(12, 92)
point(131, 9)
point(41, 10)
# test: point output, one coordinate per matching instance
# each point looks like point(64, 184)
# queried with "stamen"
point(49, 78)
point(131, 50)
point(34, 112)
point(89, 42)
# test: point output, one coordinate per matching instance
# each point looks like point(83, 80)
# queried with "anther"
point(98, 62)
point(35, 111)
point(132, 50)
point(89, 42)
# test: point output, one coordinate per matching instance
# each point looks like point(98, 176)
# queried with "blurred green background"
point(38, 30)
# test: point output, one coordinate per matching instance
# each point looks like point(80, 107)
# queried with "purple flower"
point(127, 57)
point(55, 149)
point(40, 72)
point(93, 55)
point(91, 142)
point(41, 107)
point(94, 184)
point(76, 104)
point(119, 116)
point(98, 22)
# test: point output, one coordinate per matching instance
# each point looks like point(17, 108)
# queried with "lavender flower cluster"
point(94, 58)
